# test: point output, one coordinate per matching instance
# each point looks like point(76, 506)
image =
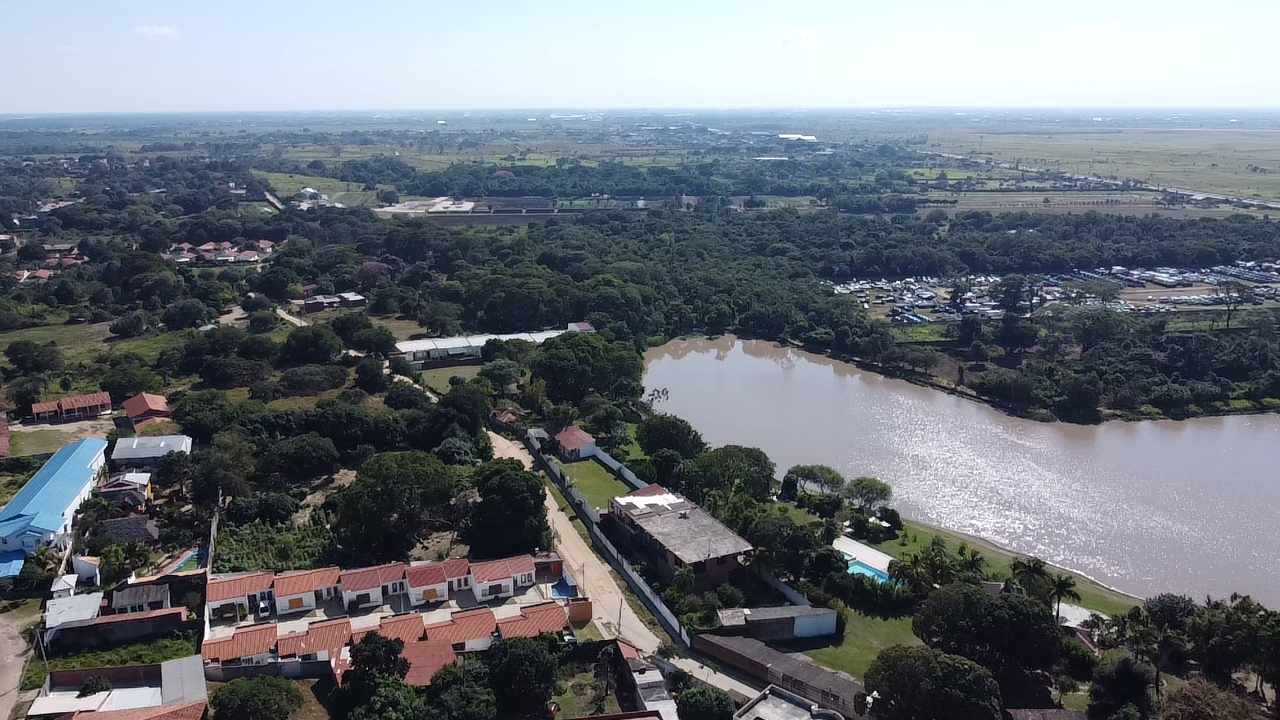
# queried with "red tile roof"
point(305, 581)
point(425, 660)
point(178, 711)
point(534, 620)
point(73, 402)
point(474, 624)
point(492, 570)
point(328, 635)
point(574, 438)
point(371, 577)
point(407, 628)
point(237, 586)
point(144, 403)
point(437, 573)
point(246, 642)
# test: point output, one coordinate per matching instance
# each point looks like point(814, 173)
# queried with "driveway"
point(292, 320)
point(595, 579)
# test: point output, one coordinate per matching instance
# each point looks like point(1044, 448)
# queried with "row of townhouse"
point(324, 646)
point(267, 593)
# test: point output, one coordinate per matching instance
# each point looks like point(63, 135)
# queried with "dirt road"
point(596, 580)
point(292, 320)
point(13, 653)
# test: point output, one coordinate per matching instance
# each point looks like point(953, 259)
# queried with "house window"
point(494, 589)
point(459, 647)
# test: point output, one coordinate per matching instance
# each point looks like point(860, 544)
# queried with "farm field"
point(1217, 160)
point(339, 191)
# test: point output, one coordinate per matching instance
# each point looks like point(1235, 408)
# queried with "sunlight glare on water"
point(1148, 507)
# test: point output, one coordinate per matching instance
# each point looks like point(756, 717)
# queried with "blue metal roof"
point(11, 562)
point(41, 502)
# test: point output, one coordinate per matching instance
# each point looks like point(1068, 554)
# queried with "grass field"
point(864, 637)
point(437, 379)
point(575, 690)
point(11, 483)
point(348, 193)
point(595, 482)
point(82, 343)
point(917, 536)
point(143, 653)
point(37, 442)
point(1211, 160)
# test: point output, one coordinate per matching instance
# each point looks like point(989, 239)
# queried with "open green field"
point(595, 482)
point(1215, 160)
point(11, 483)
point(917, 536)
point(348, 193)
point(864, 637)
point(437, 379)
point(38, 442)
point(142, 653)
point(84, 342)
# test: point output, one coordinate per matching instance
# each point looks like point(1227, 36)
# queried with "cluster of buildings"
point(41, 514)
point(432, 352)
point(220, 253)
point(316, 303)
point(304, 622)
point(141, 409)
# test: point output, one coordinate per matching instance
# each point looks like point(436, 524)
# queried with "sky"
point(232, 55)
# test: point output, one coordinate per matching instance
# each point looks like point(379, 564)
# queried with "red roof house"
point(425, 660)
point(145, 406)
point(575, 443)
point(533, 621)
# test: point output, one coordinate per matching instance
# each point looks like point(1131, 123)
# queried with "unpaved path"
point(13, 654)
point(595, 579)
point(292, 320)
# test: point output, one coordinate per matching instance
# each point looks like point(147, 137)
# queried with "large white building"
point(440, 351)
point(41, 513)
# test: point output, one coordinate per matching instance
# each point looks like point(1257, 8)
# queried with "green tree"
point(811, 478)
point(1120, 683)
point(258, 698)
point(575, 364)
point(523, 674)
point(370, 376)
point(186, 314)
point(920, 683)
point(1201, 700)
point(394, 499)
point(868, 493)
point(391, 700)
point(511, 516)
point(1062, 587)
point(720, 469)
point(311, 344)
point(704, 702)
point(375, 662)
point(29, 357)
point(668, 432)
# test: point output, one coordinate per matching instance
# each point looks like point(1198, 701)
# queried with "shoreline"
point(992, 546)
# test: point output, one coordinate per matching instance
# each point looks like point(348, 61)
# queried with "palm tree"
point(1032, 575)
point(972, 562)
point(1062, 586)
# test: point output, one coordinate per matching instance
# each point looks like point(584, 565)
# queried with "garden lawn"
point(1093, 595)
point(437, 379)
point(864, 637)
point(143, 653)
point(575, 692)
point(595, 482)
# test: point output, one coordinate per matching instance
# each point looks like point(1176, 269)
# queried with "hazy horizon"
point(393, 56)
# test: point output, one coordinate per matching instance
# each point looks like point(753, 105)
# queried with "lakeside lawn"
point(143, 653)
point(437, 379)
point(916, 536)
point(864, 637)
point(595, 482)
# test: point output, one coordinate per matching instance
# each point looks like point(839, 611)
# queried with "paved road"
point(608, 606)
point(292, 320)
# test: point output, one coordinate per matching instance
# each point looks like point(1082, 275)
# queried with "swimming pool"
point(860, 568)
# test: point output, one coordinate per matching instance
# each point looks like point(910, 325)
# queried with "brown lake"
point(1185, 506)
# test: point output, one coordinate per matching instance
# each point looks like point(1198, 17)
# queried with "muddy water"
point(1190, 506)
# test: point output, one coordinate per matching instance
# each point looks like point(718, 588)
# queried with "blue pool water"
point(860, 568)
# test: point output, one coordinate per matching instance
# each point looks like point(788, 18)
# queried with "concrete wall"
point(808, 626)
point(506, 590)
point(422, 595)
point(375, 597)
point(118, 633)
point(283, 606)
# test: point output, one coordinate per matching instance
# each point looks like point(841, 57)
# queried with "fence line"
point(601, 543)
